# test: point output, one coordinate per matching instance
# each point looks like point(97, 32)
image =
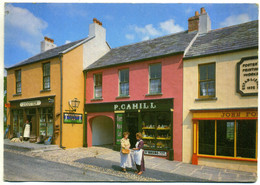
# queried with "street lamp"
point(74, 104)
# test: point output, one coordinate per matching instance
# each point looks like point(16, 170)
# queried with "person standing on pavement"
point(139, 154)
point(125, 152)
point(26, 133)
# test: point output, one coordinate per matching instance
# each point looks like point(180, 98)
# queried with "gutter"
point(61, 80)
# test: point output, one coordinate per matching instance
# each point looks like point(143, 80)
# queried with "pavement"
point(106, 161)
point(23, 168)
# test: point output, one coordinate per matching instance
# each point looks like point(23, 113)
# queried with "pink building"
point(138, 88)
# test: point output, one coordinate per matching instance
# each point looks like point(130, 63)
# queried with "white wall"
point(102, 131)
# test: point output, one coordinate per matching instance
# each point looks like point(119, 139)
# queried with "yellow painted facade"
point(226, 98)
point(73, 87)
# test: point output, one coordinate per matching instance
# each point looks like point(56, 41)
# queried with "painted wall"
point(139, 88)
point(73, 87)
point(32, 84)
point(226, 94)
point(102, 130)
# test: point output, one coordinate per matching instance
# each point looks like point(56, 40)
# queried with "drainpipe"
point(60, 58)
point(85, 143)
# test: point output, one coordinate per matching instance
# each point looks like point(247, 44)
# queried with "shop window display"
point(46, 122)
point(18, 122)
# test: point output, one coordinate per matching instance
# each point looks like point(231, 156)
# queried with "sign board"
point(119, 127)
point(72, 118)
point(30, 103)
point(156, 153)
point(247, 76)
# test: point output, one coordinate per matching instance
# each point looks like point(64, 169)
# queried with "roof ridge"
point(236, 25)
point(149, 39)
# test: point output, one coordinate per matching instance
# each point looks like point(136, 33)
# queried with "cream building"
point(220, 99)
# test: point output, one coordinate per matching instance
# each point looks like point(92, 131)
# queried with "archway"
point(102, 131)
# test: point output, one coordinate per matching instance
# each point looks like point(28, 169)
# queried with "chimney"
point(96, 29)
point(204, 21)
point(193, 22)
point(200, 22)
point(47, 44)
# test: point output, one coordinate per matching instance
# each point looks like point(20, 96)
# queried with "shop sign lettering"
point(30, 103)
point(156, 153)
point(134, 106)
point(72, 118)
point(247, 70)
point(238, 114)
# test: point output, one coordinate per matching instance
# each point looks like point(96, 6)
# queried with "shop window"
point(124, 82)
point(225, 138)
point(207, 137)
point(246, 138)
point(155, 78)
point(18, 82)
point(98, 85)
point(46, 76)
point(207, 80)
point(18, 122)
point(46, 122)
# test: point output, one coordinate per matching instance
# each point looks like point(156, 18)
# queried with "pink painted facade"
point(171, 85)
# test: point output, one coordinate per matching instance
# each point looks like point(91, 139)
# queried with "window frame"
point(155, 79)
point(45, 76)
point(16, 81)
point(94, 79)
point(207, 96)
point(125, 82)
point(235, 142)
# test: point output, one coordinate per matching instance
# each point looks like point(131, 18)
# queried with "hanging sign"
point(247, 76)
point(72, 118)
point(30, 103)
point(119, 128)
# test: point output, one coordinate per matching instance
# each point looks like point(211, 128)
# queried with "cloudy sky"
point(26, 24)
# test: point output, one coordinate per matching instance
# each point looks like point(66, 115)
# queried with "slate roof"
point(241, 36)
point(165, 45)
point(47, 54)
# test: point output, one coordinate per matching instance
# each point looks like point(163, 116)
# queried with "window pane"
point(124, 75)
point(211, 88)
point(46, 82)
point(211, 71)
point(98, 79)
point(98, 92)
point(155, 71)
point(206, 137)
point(225, 138)
point(46, 69)
point(124, 89)
point(203, 72)
point(155, 86)
point(246, 138)
point(203, 88)
point(18, 87)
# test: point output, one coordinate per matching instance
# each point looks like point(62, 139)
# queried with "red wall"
point(172, 81)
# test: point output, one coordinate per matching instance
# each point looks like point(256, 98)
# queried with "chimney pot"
point(49, 39)
point(202, 10)
point(97, 21)
point(197, 13)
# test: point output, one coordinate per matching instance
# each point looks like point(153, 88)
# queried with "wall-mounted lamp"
point(74, 104)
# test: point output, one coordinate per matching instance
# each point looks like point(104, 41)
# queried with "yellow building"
point(47, 89)
point(220, 99)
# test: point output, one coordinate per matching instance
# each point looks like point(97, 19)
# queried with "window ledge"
point(155, 94)
point(120, 97)
point(96, 99)
point(18, 94)
point(206, 99)
point(45, 90)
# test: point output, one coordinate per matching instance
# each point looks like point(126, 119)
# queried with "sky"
point(26, 24)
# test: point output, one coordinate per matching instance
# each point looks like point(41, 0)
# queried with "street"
point(23, 168)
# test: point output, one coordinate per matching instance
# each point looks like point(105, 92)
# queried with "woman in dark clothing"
point(139, 154)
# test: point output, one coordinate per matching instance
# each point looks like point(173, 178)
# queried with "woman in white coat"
point(139, 154)
point(125, 158)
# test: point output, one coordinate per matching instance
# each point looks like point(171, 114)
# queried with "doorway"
point(31, 117)
point(131, 119)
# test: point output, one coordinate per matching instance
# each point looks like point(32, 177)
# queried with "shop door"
point(132, 126)
point(31, 117)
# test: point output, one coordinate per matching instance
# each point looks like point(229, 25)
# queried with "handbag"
point(125, 151)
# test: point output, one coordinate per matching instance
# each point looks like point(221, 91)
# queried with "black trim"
point(238, 76)
point(96, 99)
point(32, 98)
point(19, 94)
point(45, 90)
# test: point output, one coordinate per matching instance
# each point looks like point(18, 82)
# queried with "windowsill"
point(228, 158)
point(155, 94)
point(45, 90)
point(96, 99)
point(120, 97)
point(206, 99)
point(18, 94)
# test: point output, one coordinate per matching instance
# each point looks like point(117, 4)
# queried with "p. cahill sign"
point(247, 76)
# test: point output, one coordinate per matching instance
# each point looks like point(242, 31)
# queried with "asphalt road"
point(23, 168)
